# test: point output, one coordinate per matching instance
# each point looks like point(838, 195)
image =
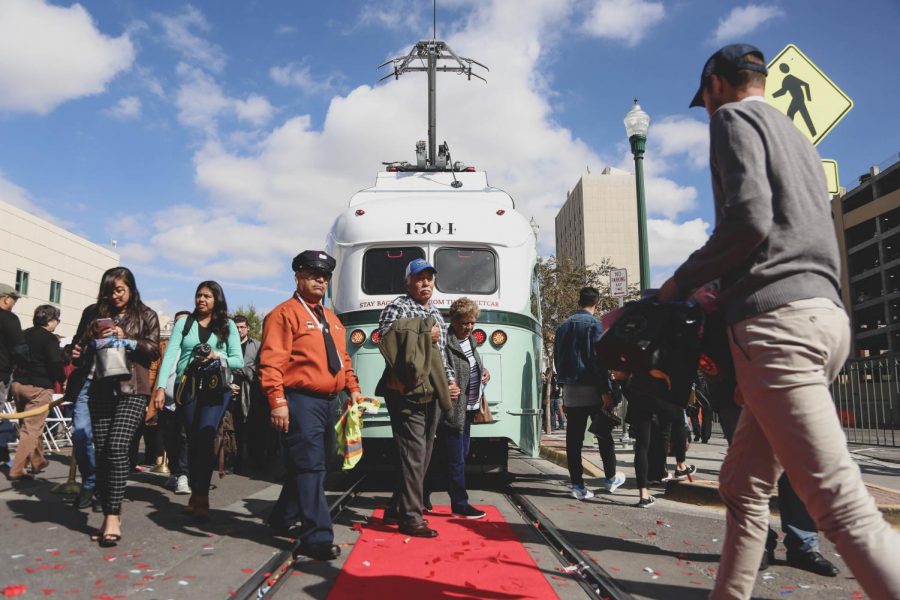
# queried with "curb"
point(558, 457)
point(705, 492)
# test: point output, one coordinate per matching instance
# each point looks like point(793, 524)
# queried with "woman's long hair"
point(132, 310)
point(218, 322)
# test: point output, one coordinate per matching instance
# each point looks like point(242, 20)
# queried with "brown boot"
point(201, 508)
point(191, 506)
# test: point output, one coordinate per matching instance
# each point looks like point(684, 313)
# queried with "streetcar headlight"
point(480, 336)
point(498, 338)
point(357, 337)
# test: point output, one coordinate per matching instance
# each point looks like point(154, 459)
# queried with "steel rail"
point(264, 583)
point(593, 578)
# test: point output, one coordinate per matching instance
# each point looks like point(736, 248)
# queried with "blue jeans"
point(201, 422)
point(800, 531)
point(457, 445)
point(557, 419)
point(83, 439)
point(309, 442)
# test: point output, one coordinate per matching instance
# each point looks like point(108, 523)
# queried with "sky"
point(216, 140)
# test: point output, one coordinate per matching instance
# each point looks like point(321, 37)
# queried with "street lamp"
point(637, 122)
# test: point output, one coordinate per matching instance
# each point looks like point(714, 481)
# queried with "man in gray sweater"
point(775, 253)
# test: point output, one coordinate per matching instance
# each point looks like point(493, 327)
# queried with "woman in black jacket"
point(33, 388)
point(118, 405)
point(463, 358)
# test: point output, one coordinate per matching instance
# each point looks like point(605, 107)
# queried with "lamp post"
point(637, 122)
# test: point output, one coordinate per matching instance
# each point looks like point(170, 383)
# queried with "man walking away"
point(585, 392)
point(13, 350)
point(774, 251)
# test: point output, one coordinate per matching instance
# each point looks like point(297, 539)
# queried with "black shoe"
point(84, 499)
point(427, 505)
point(421, 531)
point(646, 502)
point(813, 562)
point(96, 505)
point(322, 551)
point(469, 512)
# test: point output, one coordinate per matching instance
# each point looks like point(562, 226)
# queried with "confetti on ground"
point(183, 582)
point(406, 541)
point(648, 570)
point(247, 570)
point(15, 556)
point(367, 563)
point(11, 591)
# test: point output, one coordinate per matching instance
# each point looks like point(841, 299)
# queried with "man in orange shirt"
point(303, 365)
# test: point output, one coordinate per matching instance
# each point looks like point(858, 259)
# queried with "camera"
point(202, 350)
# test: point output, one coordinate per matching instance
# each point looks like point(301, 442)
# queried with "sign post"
point(799, 89)
point(618, 284)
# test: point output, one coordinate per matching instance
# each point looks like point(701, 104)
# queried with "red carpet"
point(469, 559)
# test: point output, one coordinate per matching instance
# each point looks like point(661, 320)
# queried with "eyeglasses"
point(316, 274)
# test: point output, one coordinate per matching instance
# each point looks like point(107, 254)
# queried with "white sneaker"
point(171, 482)
point(581, 493)
point(182, 487)
point(613, 484)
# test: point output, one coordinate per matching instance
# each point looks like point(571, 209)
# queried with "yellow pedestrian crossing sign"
point(799, 89)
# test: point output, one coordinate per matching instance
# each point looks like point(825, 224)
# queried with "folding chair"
point(57, 426)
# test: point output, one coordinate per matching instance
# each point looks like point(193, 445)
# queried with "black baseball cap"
point(313, 259)
point(726, 61)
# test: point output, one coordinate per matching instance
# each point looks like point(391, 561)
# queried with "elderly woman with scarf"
point(463, 358)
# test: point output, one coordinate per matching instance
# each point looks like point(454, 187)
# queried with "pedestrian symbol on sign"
point(799, 89)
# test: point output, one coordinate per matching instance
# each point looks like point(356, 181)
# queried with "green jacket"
point(413, 366)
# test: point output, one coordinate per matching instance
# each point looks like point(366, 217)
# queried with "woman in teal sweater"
point(200, 412)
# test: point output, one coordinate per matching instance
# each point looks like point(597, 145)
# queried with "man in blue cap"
point(775, 254)
point(414, 424)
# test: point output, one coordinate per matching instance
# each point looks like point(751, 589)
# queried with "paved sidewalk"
point(880, 469)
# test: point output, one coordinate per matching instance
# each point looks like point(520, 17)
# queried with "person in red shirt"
point(303, 365)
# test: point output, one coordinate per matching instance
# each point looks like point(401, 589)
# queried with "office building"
point(599, 220)
point(49, 265)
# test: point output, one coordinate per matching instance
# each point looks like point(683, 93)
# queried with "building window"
point(22, 283)
point(55, 291)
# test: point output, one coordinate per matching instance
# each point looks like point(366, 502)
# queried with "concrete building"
point(867, 220)
point(49, 265)
point(599, 220)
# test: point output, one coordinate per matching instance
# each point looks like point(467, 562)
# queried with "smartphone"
point(105, 323)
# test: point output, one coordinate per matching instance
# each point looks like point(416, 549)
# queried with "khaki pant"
point(785, 360)
point(31, 444)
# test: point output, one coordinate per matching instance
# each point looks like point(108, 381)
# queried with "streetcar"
point(482, 248)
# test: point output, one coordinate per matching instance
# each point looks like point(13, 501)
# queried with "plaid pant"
point(114, 419)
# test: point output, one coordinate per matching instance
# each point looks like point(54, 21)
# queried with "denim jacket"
point(573, 352)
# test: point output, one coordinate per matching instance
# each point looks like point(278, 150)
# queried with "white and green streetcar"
point(481, 247)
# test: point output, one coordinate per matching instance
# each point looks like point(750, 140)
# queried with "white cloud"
point(126, 109)
point(178, 32)
point(20, 198)
point(255, 110)
point(135, 253)
point(671, 243)
point(396, 15)
point(623, 20)
point(300, 77)
point(285, 30)
point(674, 136)
point(744, 20)
point(201, 102)
point(50, 54)
point(282, 192)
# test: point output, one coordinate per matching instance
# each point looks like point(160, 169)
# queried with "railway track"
point(594, 580)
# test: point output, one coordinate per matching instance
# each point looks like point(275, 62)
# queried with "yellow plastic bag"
point(349, 430)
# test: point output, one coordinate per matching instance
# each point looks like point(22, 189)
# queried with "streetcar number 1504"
point(432, 227)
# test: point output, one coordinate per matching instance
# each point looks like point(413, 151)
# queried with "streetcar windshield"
point(466, 271)
point(384, 269)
